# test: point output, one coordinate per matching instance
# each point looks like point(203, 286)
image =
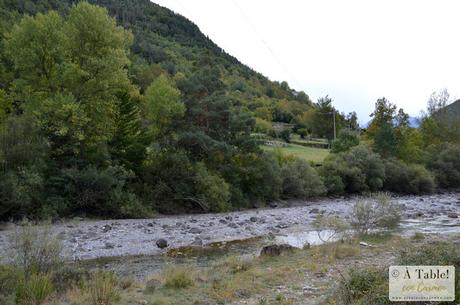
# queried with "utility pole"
point(333, 119)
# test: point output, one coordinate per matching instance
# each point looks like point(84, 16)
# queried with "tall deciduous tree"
point(163, 105)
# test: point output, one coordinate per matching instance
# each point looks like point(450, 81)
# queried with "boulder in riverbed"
point(162, 243)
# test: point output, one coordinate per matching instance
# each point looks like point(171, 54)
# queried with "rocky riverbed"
point(88, 239)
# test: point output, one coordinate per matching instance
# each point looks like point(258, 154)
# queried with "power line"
point(267, 46)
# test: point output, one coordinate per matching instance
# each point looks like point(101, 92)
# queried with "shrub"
point(445, 165)
point(263, 126)
point(102, 288)
point(286, 135)
point(345, 141)
point(20, 193)
point(211, 190)
point(377, 212)
point(370, 286)
point(408, 179)
point(362, 286)
point(177, 277)
point(329, 227)
point(22, 154)
point(438, 253)
point(68, 276)
point(256, 175)
point(34, 290)
point(9, 279)
point(302, 132)
point(100, 192)
point(35, 249)
point(357, 170)
point(234, 264)
point(300, 180)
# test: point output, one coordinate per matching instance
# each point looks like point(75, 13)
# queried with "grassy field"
point(316, 155)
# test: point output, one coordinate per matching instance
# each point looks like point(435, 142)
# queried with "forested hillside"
point(123, 108)
point(118, 122)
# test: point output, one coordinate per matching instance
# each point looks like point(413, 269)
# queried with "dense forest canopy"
point(123, 108)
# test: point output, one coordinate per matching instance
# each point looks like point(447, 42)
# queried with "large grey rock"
point(162, 243)
point(106, 228)
point(108, 245)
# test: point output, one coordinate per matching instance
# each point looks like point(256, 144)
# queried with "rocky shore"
point(88, 239)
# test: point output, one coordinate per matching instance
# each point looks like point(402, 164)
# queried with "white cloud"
point(355, 51)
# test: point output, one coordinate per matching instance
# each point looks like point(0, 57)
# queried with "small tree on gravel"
point(330, 227)
point(375, 212)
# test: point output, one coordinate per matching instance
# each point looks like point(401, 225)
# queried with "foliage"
point(163, 105)
point(445, 165)
point(213, 191)
point(34, 249)
point(370, 285)
point(357, 170)
point(9, 279)
point(35, 290)
point(177, 277)
point(99, 192)
point(322, 123)
point(347, 139)
point(329, 228)
point(300, 180)
point(385, 140)
point(409, 179)
point(377, 212)
point(102, 288)
point(362, 286)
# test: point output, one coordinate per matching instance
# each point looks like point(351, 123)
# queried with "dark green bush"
point(347, 139)
point(300, 180)
point(445, 165)
point(20, 193)
point(258, 176)
point(100, 192)
point(212, 190)
point(354, 171)
point(407, 179)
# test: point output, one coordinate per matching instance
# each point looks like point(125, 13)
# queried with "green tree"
point(83, 56)
point(322, 121)
point(347, 139)
point(385, 142)
point(383, 114)
point(163, 105)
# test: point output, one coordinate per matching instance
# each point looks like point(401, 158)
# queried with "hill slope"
point(171, 42)
point(126, 115)
point(450, 116)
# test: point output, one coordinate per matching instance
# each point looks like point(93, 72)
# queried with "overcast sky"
point(354, 51)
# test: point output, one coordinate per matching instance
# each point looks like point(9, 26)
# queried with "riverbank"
point(302, 277)
point(89, 239)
